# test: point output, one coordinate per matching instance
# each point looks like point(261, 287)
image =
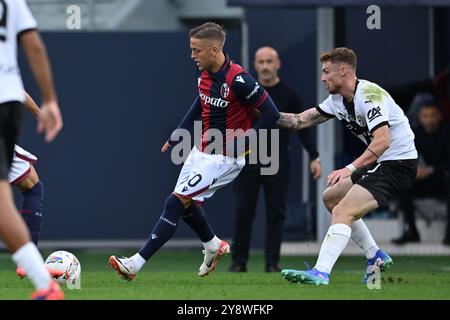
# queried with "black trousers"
point(10, 117)
point(246, 190)
point(434, 187)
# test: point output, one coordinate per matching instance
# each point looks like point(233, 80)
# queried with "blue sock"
point(195, 217)
point(164, 228)
point(32, 210)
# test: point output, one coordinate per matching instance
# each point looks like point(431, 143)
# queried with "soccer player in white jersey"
point(386, 167)
point(17, 25)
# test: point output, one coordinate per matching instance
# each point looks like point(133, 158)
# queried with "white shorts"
point(21, 165)
point(202, 174)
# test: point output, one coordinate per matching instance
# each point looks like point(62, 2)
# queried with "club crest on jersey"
point(224, 90)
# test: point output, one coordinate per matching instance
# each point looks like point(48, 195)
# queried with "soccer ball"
point(66, 263)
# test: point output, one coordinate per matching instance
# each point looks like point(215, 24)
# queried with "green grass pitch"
point(171, 275)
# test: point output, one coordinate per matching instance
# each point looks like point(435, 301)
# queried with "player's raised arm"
point(191, 115)
point(31, 105)
point(297, 121)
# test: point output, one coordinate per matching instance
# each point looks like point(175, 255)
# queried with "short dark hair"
point(340, 54)
point(208, 30)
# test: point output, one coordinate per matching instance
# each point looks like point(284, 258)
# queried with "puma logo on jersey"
point(374, 113)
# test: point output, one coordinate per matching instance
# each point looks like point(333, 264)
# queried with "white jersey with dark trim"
point(15, 18)
point(373, 107)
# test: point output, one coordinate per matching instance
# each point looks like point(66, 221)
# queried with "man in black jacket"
point(247, 185)
point(432, 139)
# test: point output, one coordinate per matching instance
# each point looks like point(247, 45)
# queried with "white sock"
point(29, 258)
point(138, 262)
point(212, 245)
point(362, 237)
point(332, 246)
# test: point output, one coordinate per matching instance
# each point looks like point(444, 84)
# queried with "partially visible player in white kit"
point(387, 167)
point(17, 25)
point(23, 175)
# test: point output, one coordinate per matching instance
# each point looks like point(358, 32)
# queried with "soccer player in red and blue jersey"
point(228, 97)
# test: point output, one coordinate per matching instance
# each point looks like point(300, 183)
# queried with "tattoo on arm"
point(316, 119)
point(302, 120)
